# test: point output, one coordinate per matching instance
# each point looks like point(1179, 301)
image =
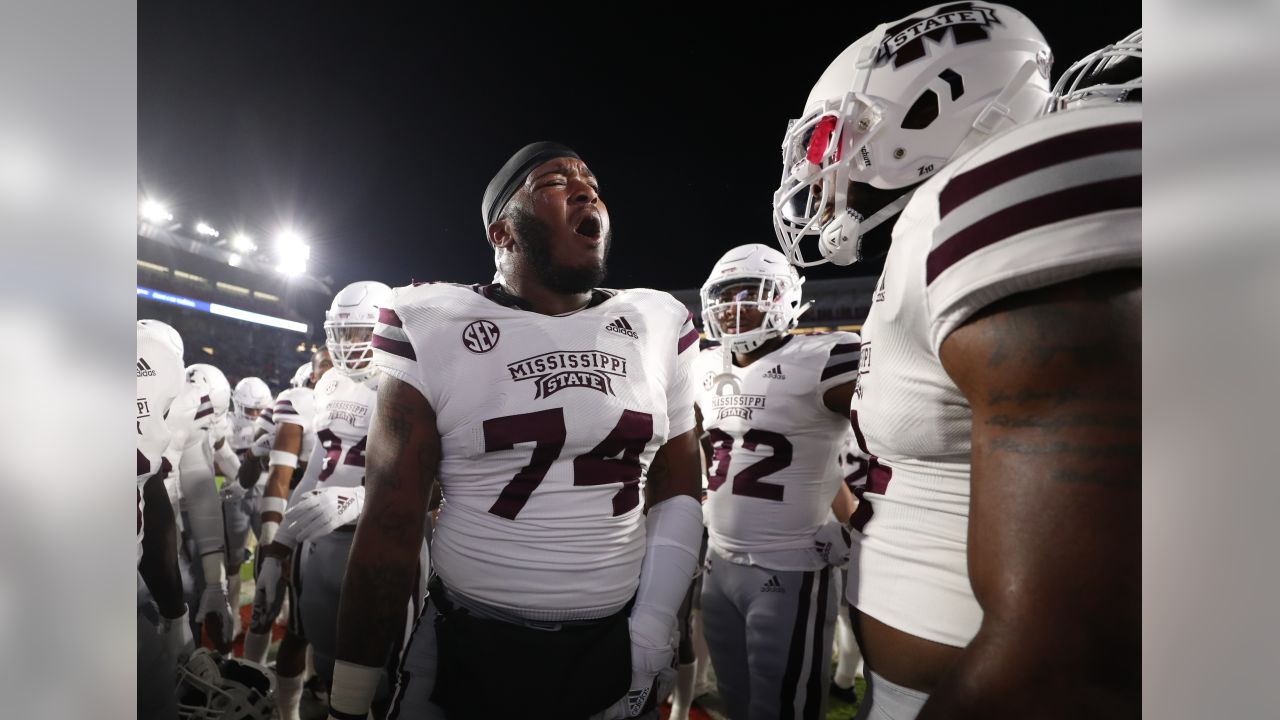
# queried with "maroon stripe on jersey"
point(845, 348)
point(1056, 150)
point(202, 412)
point(833, 370)
point(144, 465)
point(878, 477)
point(857, 432)
point(395, 347)
point(689, 338)
point(1076, 202)
point(387, 316)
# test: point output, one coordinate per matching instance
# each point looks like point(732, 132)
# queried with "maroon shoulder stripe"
point(395, 347)
point(387, 316)
point(1125, 192)
point(1056, 150)
point(843, 348)
point(689, 338)
point(833, 370)
point(203, 412)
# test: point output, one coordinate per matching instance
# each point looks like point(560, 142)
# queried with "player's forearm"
point(380, 577)
point(248, 473)
point(675, 470)
point(227, 460)
point(159, 566)
point(275, 494)
point(1020, 671)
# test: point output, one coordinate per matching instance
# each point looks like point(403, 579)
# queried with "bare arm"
point(250, 469)
point(288, 439)
point(1053, 377)
point(400, 468)
point(843, 504)
point(159, 566)
point(675, 470)
point(839, 398)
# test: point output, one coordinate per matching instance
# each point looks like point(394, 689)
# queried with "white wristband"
point(353, 688)
point(269, 528)
point(281, 457)
point(268, 503)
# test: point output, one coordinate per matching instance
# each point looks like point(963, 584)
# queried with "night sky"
point(374, 133)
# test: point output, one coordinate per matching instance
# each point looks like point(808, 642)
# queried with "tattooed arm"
point(1053, 377)
point(400, 468)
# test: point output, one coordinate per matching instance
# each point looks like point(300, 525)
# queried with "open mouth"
point(589, 226)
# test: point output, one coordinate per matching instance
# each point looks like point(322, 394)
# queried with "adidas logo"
point(772, 585)
point(144, 370)
point(622, 327)
point(775, 373)
point(343, 502)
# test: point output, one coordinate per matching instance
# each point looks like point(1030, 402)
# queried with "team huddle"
point(534, 497)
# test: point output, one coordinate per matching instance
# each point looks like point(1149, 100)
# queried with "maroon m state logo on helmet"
point(966, 21)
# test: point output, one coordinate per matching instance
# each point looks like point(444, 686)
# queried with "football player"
point(190, 454)
point(320, 520)
point(998, 394)
point(775, 407)
point(240, 492)
point(160, 377)
point(288, 444)
point(554, 414)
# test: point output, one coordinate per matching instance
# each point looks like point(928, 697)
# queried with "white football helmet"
point(893, 109)
point(1112, 74)
point(348, 327)
point(302, 376)
point(754, 278)
point(219, 388)
point(212, 687)
point(162, 332)
point(250, 398)
point(160, 375)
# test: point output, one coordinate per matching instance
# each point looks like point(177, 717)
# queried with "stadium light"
point(242, 243)
point(233, 260)
point(206, 230)
point(292, 253)
point(154, 212)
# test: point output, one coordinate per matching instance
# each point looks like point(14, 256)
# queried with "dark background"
point(374, 132)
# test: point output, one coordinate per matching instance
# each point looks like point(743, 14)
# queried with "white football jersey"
point(548, 425)
point(1049, 201)
point(774, 444)
point(220, 429)
point(295, 406)
point(190, 418)
point(242, 432)
point(343, 412)
point(160, 378)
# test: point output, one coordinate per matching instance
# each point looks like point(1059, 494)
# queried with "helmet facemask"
point(1112, 74)
point(745, 312)
point(879, 122)
point(822, 152)
point(351, 348)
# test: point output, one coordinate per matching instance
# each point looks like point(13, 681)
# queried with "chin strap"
point(1017, 103)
